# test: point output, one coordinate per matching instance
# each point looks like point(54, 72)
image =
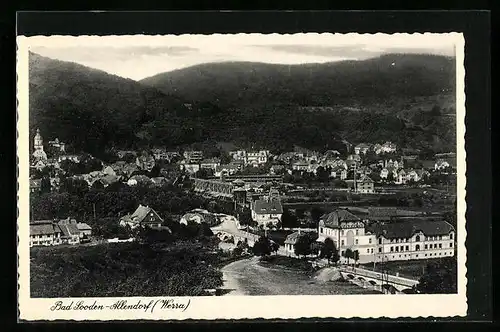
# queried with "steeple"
point(38, 142)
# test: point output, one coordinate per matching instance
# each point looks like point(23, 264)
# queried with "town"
point(373, 203)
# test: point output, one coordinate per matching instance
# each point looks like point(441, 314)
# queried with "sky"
point(138, 57)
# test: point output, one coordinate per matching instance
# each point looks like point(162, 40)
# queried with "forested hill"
point(345, 82)
point(91, 109)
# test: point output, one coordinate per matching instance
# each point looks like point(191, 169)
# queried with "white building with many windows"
point(404, 239)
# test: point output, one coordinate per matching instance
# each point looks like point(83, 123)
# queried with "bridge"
point(382, 282)
point(215, 188)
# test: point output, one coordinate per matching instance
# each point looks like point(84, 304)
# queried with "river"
point(248, 277)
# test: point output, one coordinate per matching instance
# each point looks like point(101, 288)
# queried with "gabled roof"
point(83, 226)
point(333, 219)
point(268, 207)
point(43, 227)
point(140, 214)
point(68, 229)
point(406, 228)
point(292, 238)
point(365, 179)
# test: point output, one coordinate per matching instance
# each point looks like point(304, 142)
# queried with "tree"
point(440, 277)
point(329, 251)
point(355, 256)
point(288, 219)
point(316, 214)
point(262, 247)
point(303, 245)
point(348, 254)
point(245, 217)
point(45, 186)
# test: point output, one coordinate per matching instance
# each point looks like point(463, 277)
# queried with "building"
point(70, 234)
point(122, 153)
point(35, 185)
point(267, 210)
point(139, 180)
point(143, 216)
point(403, 239)
point(193, 156)
point(38, 153)
point(239, 155)
point(57, 145)
point(211, 163)
point(224, 170)
point(44, 233)
point(300, 166)
point(401, 177)
point(257, 158)
point(365, 185)
point(361, 148)
point(339, 172)
point(388, 147)
point(290, 242)
point(411, 238)
point(189, 167)
point(85, 229)
point(72, 157)
point(347, 231)
point(441, 165)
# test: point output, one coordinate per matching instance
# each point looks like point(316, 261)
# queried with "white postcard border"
point(238, 307)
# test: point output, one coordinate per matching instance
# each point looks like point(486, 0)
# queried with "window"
point(392, 249)
point(342, 232)
point(342, 242)
point(357, 232)
point(379, 249)
point(451, 244)
point(371, 250)
point(417, 248)
point(451, 236)
point(417, 238)
point(440, 237)
point(416, 255)
point(435, 245)
point(407, 248)
point(370, 240)
point(380, 241)
point(402, 248)
point(440, 246)
point(399, 256)
point(425, 247)
point(356, 241)
point(321, 230)
point(342, 253)
point(367, 251)
point(397, 249)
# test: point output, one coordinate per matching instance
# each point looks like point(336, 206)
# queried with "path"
point(248, 277)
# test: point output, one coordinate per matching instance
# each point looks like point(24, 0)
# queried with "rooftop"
point(406, 228)
point(268, 207)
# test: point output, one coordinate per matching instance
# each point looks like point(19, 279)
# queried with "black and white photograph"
point(232, 166)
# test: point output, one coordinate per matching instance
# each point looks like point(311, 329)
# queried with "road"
point(248, 277)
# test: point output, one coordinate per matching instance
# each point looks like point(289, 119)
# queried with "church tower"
point(38, 144)
point(39, 154)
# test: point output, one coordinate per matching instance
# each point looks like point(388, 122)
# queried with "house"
point(401, 177)
point(365, 185)
point(422, 174)
point(57, 145)
point(238, 155)
point(413, 176)
point(193, 156)
point(361, 148)
point(354, 157)
point(257, 158)
point(143, 216)
point(145, 162)
point(108, 170)
point(35, 185)
point(377, 148)
point(347, 231)
point(339, 172)
point(441, 165)
point(85, 229)
point(38, 164)
point(267, 210)
point(224, 170)
point(211, 163)
point(290, 242)
point(300, 166)
point(72, 157)
point(160, 154)
point(199, 216)
point(189, 168)
point(413, 238)
point(70, 234)
point(331, 155)
point(388, 147)
point(139, 179)
point(44, 233)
